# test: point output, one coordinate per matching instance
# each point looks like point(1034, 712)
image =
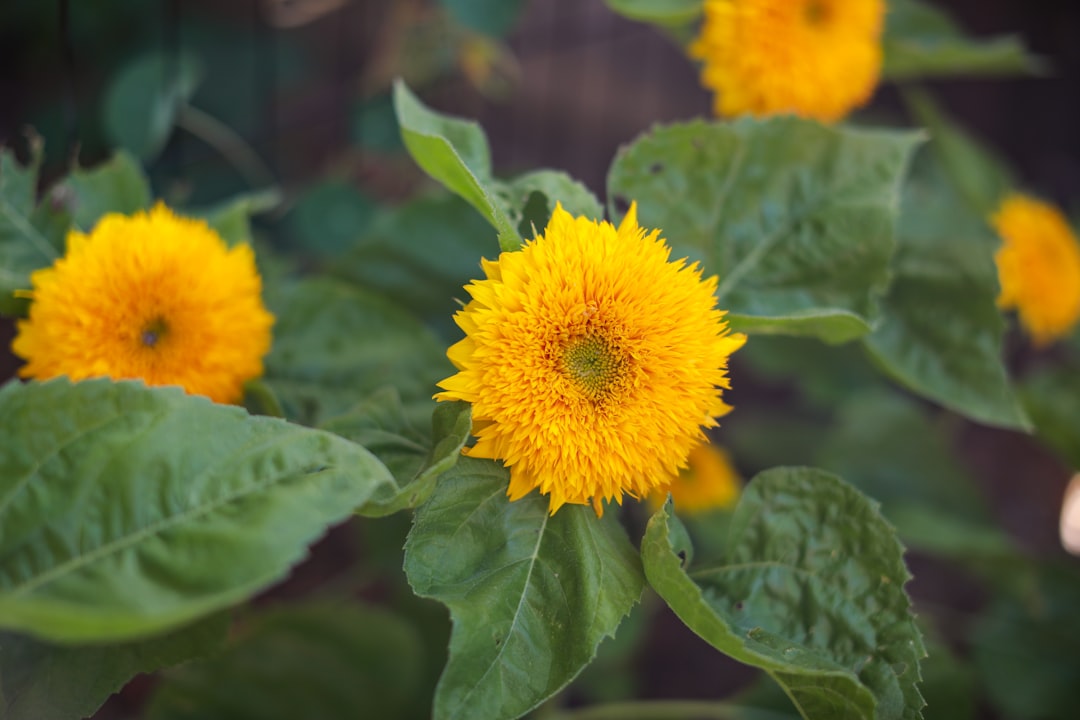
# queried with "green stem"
point(227, 142)
point(669, 710)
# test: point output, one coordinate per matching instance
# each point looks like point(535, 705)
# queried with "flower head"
point(592, 362)
point(1038, 267)
point(819, 59)
point(709, 482)
point(151, 296)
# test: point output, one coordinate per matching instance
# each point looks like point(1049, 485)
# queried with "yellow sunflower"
point(1038, 267)
point(592, 362)
point(151, 296)
point(709, 482)
point(819, 59)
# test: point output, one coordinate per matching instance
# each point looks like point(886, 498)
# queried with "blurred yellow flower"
point(1038, 267)
point(592, 362)
point(819, 59)
point(151, 296)
point(709, 482)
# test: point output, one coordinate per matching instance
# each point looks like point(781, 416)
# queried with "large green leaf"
point(116, 186)
point(795, 218)
point(31, 236)
point(335, 344)
point(1052, 397)
point(531, 594)
point(42, 681)
point(328, 660)
point(454, 152)
point(550, 186)
point(923, 41)
point(811, 589)
point(664, 12)
point(416, 459)
point(941, 332)
point(126, 510)
point(143, 99)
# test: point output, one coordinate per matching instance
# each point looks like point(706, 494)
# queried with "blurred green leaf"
point(416, 459)
point(923, 41)
point(335, 344)
point(949, 684)
point(1051, 395)
point(454, 152)
point(31, 236)
point(490, 17)
point(941, 332)
point(531, 594)
point(40, 681)
point(142, 101)
point(421, 255)
point(128, 510)
point(795, 218)
point(330, 218)
point(308, 661)
point(1025, 652)
point(824, 375)
point(232, 218)
point(375, 126)
point(661, 12)
point(811, 590)
point(115, 186)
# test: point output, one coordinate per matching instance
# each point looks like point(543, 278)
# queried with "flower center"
point(592, 364)
point(152, 332)
point(817, 12)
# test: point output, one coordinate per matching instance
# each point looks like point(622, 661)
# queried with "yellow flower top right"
point(1038, 267)
point(819, 59)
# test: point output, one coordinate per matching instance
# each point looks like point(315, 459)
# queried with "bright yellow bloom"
point(151, 296)
point(1038, 267)
point(709, 482)
point(819, 59)
point(592, 362)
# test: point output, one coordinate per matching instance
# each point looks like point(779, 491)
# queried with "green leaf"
point(31, 237)
point(454, 152)
point(941, 332)
point(41, 681)
point(1051, 395)
point(232, 219)
point(923, 41)
point(335, 344)
point(810, 590)
point(330, 218)
point(142, 101)
point(553, 186)
point(127, 510)
point(416, 459)
point(115, 186)
point(661, 12)
point(795, 218)
point(490, 17)
point(531, 595)
point(420, 255)
point(310, 661)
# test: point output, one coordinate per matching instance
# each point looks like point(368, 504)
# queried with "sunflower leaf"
point(42, 681)
point(941, 332)
point(416, 459)
point(454, 152)
point(810, 590)
point(335, 344)
point(531, 595)
point(795, 218)
point(127, 510)
point(316, 660)
point(115, 186)
point(923, 41)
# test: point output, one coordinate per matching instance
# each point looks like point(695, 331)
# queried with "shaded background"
point(555, 83)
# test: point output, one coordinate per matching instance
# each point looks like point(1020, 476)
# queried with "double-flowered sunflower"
point(818, 59)
point(591, 361)
point(1038, 267)
point(151, 296)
